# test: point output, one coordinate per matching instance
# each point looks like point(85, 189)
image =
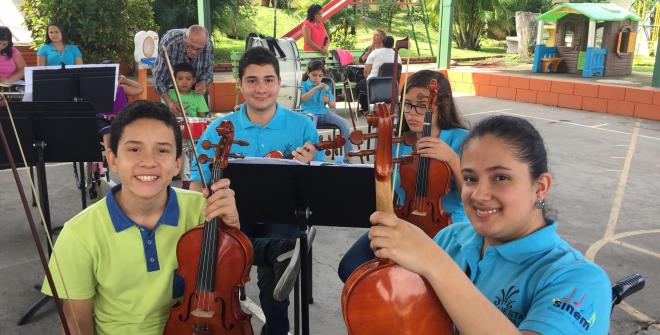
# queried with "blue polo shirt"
point(127, 269)
point(53, 57)
point(315, 103)
point(538, 281)
point(451, 202)
point(285, 132)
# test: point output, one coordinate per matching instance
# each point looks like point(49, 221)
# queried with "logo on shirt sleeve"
point(574, 305)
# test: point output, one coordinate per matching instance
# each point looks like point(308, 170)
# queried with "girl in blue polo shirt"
point(315, 96)
point(506, 271)
point(56, 50)
point(447, 135)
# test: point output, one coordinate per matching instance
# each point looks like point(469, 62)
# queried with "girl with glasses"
point(447, 135)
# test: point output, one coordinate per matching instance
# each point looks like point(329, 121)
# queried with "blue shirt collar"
point(277, 122)
point(521, 249)
point(540, 241)
point(121, 221)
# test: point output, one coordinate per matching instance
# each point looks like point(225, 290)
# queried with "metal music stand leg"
point(303, 216)
point(43, 197)
point(83, 190)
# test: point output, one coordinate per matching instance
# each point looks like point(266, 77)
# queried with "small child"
point(195, 106)
point(192, 101)
point(315, 95)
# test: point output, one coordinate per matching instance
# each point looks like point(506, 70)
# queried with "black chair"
point(379, 89)
point(385, 70)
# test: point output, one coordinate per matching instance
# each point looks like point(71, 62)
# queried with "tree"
point(101, 29)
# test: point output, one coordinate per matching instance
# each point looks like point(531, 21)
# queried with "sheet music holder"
point(287, 192)
point(50, 132)
point(337, 195)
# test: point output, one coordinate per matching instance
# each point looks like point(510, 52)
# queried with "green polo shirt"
point(126, 269)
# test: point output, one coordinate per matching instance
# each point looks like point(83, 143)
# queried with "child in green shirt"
point(192, 101)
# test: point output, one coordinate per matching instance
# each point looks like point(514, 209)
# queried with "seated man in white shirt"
point(372, 66)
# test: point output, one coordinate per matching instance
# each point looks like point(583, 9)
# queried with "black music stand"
point(308, 195)
point(48, 132)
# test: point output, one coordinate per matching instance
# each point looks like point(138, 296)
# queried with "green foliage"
point(344, 41)
point(233, 17)
point(101, 29)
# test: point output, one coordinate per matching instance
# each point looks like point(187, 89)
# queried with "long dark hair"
point(448, 115)
point(5, 35)
point(64, 39)
point(312, 10)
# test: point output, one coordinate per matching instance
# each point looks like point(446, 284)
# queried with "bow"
point(33, 227)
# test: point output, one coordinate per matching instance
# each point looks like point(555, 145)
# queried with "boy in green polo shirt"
point(117, 257)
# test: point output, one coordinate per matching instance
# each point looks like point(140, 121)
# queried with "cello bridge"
point(201, 313)
point(418, 213)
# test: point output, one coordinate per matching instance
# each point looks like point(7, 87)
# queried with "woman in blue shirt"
point(507, 271)
point(444, 144)
point(56, 51)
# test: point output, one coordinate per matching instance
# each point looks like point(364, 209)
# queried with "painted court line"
point(621, 188)
point(571, 123)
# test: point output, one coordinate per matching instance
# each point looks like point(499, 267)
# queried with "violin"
point(214, 259)
point(381, 297)
point(425, 182)
point(328, 145)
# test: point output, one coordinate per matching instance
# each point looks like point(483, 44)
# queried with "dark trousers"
point(359, 253)
point(362, 95)
point(267, 241)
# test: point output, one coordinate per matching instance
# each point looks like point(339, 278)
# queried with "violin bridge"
point(418, 213)
point(201, 313)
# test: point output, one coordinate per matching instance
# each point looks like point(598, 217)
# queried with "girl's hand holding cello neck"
point(403, 243)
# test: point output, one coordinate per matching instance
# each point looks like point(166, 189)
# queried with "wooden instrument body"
point(423, 203)
point(233, 261)
point(381, 297)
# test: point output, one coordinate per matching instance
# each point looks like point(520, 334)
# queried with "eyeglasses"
point(190, 47)
point(417, 109)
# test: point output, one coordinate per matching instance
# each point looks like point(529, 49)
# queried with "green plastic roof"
point(594, 11)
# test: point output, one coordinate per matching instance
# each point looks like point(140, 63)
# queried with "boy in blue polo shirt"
point(507, 271)
point(118, 256)
point(267, 127)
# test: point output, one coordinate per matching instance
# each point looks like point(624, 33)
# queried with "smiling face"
point(145, 161)
point(498, 191)
point(260, 86)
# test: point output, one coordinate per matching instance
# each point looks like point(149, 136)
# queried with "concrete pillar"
point(444, 30)
point(204, 14)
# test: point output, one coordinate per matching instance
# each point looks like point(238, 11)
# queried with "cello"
point(381, 297)
point(425, 181)
point(214, 261)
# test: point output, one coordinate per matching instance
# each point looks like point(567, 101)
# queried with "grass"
point(643, 63)
point(287, 19)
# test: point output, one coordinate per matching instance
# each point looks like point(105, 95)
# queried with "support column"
point(204, 14)
point(656, 68)
point(539, 33)
point(591, 38)
point(444, 28)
